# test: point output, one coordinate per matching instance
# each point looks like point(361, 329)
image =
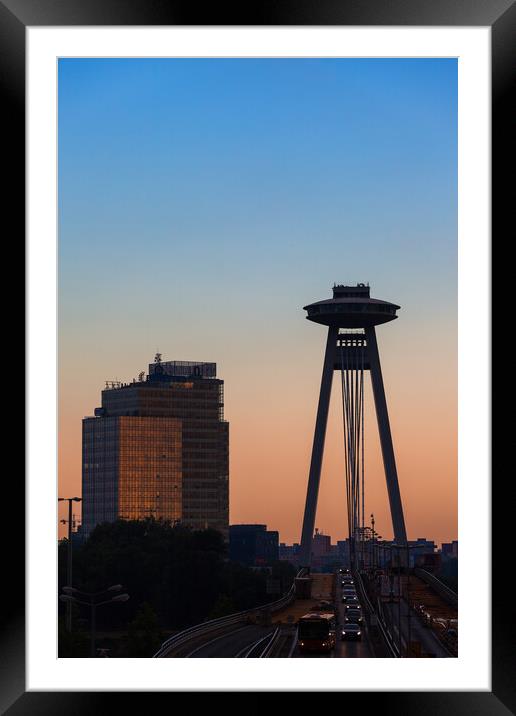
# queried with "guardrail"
point(214, 624)
point(392, 643)
point(449, 596)
point(384, 629)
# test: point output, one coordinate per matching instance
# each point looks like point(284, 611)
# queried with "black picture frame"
point(500, 16)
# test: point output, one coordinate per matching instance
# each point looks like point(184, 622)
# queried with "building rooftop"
point(173, 370)
point(183, 368)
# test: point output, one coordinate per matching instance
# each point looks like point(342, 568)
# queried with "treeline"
point(176, 577)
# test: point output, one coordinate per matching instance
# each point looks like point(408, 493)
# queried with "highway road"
point(344, 649)
point(430, 643)
point(350, 649)
point(237, 641)
point(231, 645)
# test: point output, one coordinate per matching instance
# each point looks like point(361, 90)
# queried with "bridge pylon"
point(351, 347)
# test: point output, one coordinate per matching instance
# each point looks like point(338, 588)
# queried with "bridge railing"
point(207, 627)
point(382, 623)
point(449, 596)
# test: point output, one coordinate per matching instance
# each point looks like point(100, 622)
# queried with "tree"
point(223, 607)
point(72, 644)
point(182, 575)
point(144, 635)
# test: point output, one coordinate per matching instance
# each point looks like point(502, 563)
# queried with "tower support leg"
point(389, 461)
point(318, 448)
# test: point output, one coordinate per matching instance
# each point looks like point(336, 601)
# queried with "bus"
point(316, 632)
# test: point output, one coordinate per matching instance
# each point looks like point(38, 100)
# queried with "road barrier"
point(449, 596)
point(207, 628)
point(382, 624)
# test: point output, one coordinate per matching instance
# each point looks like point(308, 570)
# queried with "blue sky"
point(241, 159)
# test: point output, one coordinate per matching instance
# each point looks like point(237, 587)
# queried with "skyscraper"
point(158, 447)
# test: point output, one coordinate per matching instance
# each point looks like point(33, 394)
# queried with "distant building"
point(450, 550)
point(385, 553)
point(343, 552)
point(253, 545)
point(423, 553)
point(381, 553)
point(289, 552)
point(321, 544)
point(450, 558)
point(158, 448)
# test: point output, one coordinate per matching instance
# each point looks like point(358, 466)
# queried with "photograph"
point(258, 255)
point(257, 356)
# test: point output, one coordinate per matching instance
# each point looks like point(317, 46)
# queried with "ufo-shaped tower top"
point(351, 307)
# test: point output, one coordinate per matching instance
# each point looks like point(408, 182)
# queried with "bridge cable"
point(352, 383)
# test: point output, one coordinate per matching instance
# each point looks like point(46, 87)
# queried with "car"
point(351, 632)
point(353, 616)
point(351, 592)
point(346, 582)
point(349, 599)
point(353, 606)
point(343, 570)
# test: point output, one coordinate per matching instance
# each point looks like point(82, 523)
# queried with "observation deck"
point(351, 307)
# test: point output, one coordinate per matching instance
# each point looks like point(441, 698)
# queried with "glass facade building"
point(159, 448)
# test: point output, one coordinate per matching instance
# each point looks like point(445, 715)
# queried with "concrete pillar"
point(389, 461)
point(318, 448)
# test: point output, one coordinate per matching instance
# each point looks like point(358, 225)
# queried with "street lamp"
point(378, 547)
point(372, 545)
point(69, 567)
point(93, 604)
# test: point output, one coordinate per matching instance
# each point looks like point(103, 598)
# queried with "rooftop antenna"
point(157, 358)
point(141, 375)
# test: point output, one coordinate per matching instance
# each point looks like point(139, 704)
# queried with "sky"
point(204, 202)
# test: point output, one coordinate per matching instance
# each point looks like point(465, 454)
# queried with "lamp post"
point(408, 600)
point(396, 550)
point(69, 598)
point(398, 559)
point(372, 545)
point(378, 551)
point(69, 565)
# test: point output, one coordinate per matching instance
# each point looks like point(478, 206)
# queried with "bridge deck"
point(419, 592)
point(323, 588)
point(294, 611)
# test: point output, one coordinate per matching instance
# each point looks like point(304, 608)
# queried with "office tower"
point(158, 447)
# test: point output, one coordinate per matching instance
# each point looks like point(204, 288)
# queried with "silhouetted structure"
point(351, 347)
point(450, 550)
point(253, 545)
